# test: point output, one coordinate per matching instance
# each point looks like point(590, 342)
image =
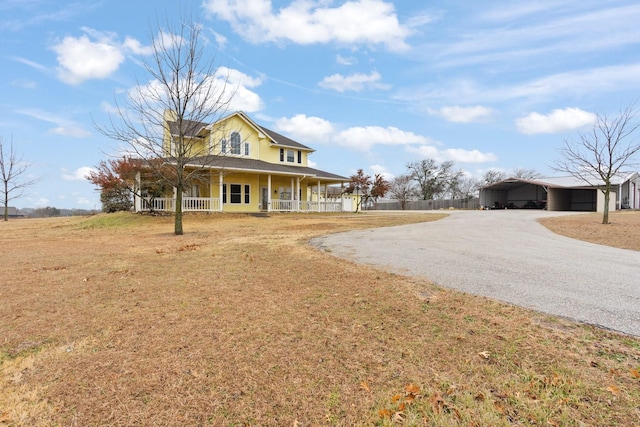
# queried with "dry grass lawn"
point(111, 320)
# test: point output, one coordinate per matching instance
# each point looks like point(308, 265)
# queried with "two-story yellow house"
point(247, 168)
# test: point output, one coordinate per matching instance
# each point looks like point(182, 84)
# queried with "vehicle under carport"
point(554, 194)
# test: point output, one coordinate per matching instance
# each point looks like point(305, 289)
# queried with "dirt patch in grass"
point(112, 320)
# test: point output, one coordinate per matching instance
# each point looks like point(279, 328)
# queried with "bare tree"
point(491, 177)
point(13, 173)
point(163, 118)
point(599, 155)
point(526, 174)
point(403, 189)
point(464, 187)
point(433, 179)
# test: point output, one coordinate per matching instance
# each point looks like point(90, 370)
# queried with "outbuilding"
point(561, 194)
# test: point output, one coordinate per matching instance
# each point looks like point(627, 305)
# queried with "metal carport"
point(554, 194)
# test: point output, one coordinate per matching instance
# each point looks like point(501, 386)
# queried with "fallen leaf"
point(613, 389)
point(395, 398)
point(412, 389)
point(384, 413)
point(635, 373)
point(364, 385)
point(399, 417)
point(484, 354)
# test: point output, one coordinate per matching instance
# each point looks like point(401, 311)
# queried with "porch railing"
point(189, 204)
point(279, 205)
point(208, 204)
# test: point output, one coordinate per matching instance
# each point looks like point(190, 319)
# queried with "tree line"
point(426, 179)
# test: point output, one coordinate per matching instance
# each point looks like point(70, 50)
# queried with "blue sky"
point(370, 84)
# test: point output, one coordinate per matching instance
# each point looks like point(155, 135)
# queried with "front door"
point(264, 199)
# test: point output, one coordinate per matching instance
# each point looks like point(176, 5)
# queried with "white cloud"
point(94, 55)
point(63, 126)
point(79, 174)
point(227, 87)
point(83, 201)
point(81, 59)
point(355, 82)
point(221, 40)
point(355, 22)
point(136, 47)
point(235, 87)
point(363, 138)
point(555, 122)
point(594, 81)
point(456, 114)
point(460, 155)
point(344, 60)
point(72, 131)
point(305, 128)
point(457, 155)
point(381, 170)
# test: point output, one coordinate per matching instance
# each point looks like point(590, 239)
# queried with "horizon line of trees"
point(429, 180)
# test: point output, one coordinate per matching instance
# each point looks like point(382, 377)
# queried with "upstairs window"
point(236, 142)
point(299, 156)
point(282, 154)
point(223, 145)
point(290, 156)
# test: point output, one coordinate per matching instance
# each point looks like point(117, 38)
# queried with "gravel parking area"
point(509, 256)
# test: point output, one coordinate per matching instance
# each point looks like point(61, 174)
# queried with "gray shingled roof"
point(190, 127)
point(283, 140)
point(253, 165)
point(193, 128)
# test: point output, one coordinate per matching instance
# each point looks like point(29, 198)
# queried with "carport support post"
point(318, 195)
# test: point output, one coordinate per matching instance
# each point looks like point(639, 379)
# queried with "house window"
point(235, 143)
point(246, 148)
point(236, 194)
point(299, 156)
point(290, 156)
point(282, 154)
point(223, 145)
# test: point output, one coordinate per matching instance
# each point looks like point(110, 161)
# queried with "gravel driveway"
point(508, 256)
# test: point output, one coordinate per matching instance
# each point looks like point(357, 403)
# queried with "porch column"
point(293, 196)
point(269, 193)
point(342, 197)
point(211, 190)
point(319, 196)
point(298, 192)
point(220, 185)
point(326, 196)
point(137, 202)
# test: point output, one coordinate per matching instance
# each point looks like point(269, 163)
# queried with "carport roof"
point(554, 182)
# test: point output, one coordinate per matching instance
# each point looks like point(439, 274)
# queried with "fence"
point(425, 205)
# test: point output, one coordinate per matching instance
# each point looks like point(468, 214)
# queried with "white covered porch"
point(211, 204)
point(295, 194)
